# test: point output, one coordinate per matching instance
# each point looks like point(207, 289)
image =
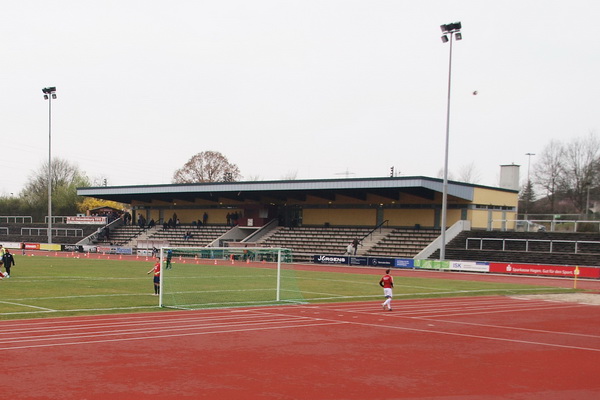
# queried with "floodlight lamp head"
point(451, 28)
point(49, 90)
point(458, 36)
point(445, 39)
point(54, 95)
point(45, 97)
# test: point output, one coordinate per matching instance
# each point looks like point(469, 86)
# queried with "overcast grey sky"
point(311, 88)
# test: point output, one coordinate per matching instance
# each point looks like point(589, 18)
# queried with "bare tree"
point(207, 166)
point(548, 170)
point(440, 174)
point(468, 173)
point(580, 167)
point(290, 176)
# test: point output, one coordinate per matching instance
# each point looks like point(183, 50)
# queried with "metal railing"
point(550, 225)
point(17, 219)
point(57, 219)
point(551, 243)
point(68, 232)
point(379, 226)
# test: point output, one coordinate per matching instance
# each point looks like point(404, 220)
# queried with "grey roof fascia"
point(464, 191)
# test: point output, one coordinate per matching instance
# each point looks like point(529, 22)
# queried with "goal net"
point(212, 277)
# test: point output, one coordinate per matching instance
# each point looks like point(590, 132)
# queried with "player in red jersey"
point(387, 283)
point(156, 270)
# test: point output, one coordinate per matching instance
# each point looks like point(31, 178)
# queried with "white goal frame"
point(224, 251)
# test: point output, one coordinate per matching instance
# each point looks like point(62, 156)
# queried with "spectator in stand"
point(355, 244)
point(350, 249)
point(204, 218)
point(151, 224)
point(127, 218)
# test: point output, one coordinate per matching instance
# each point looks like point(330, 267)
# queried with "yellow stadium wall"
point(316, 216)
point(452, 216)
point(409, 217)
point(495, 197)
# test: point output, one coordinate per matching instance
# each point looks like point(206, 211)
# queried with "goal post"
point(213, 277)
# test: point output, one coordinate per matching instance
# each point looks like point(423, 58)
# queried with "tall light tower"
point(528, 181)
point(49, 94)
point(450, 32)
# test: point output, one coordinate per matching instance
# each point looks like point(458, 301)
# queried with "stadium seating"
point(307, 241)
point(405, 243)
point(201, 235)
point(565, 248)
point(120, 236)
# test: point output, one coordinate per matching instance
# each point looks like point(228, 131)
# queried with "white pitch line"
point(540, 307)
point(506, 327)
point(275, 320)
point(80, 310)
point(466, 335)
point(26, 305)
point(133, 322)
point(167, 336)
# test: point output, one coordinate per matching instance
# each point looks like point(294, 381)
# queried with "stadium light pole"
point(528, 180)
point(49, 94)
point(450, 32)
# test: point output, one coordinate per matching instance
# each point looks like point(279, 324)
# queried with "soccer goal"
point(213, 277)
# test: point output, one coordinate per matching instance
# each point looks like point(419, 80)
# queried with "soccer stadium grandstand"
point(386, 217)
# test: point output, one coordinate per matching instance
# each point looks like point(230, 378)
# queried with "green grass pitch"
point(43, 286)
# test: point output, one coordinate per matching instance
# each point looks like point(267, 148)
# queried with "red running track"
point(459, 348)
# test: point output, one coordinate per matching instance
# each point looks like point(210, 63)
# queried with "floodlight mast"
point(49, 94)
point(451, 31)
point(528, 183)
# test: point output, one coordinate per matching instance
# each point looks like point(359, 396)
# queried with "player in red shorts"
point(156, 270)
point(387, 283)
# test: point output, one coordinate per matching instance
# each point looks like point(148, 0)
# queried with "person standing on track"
point(387, 283)
point(156, 270)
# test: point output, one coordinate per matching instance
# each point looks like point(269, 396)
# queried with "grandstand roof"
point(266, 191)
